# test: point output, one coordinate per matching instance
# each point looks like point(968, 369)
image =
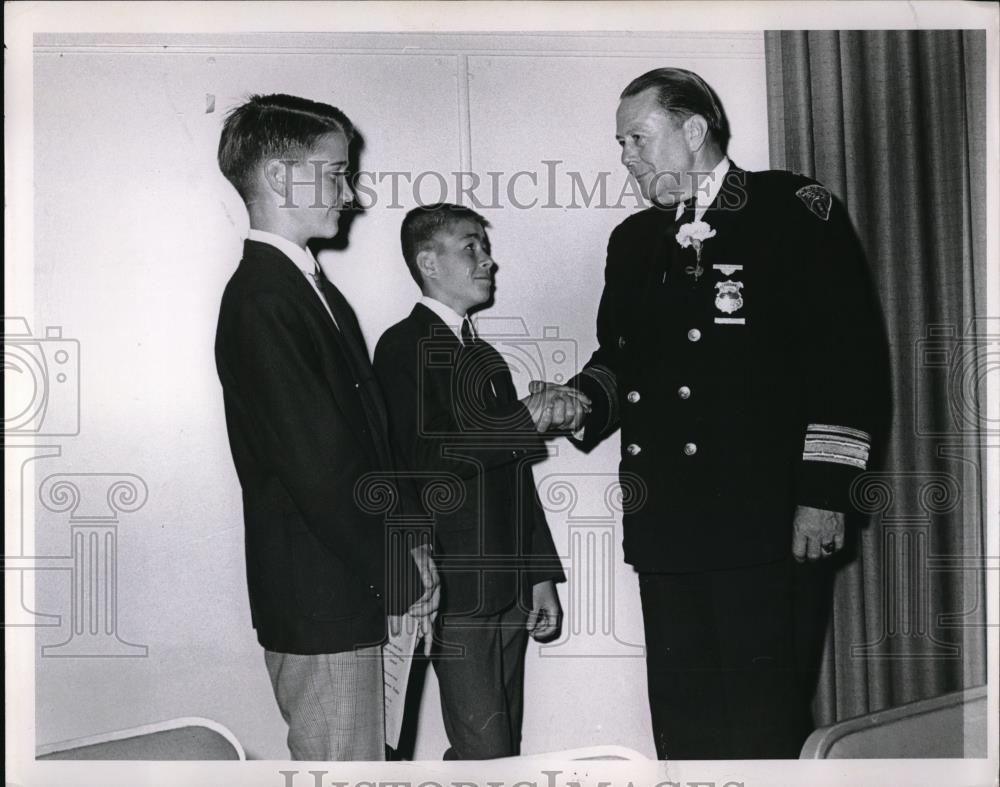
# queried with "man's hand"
point(555, 406)
point(818, 533)
point(424, 609)
point(546, 614)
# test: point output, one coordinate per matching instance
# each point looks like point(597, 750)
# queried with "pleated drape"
point(894, 123)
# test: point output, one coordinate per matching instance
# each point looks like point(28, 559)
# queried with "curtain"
point(894, 123)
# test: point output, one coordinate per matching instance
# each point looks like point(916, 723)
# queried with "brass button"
point(633, 449)
point(690, 449)
point(684, 392)
point(694, 335)
point(633, 396)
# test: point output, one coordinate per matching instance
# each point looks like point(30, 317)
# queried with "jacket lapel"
point(724, 215)
point(436, 328)
point(336, 356)
point(352, 343)
point(657, 254)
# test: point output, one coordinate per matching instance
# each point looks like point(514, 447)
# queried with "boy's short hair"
point(421, 224)
point(273, 126)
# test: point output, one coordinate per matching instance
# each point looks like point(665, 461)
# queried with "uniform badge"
point(728, 270)
point(817, 198)
point(727, 296)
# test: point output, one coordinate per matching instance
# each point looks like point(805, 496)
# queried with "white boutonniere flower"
point(694, 233)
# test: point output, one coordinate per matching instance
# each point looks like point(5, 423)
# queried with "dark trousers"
point(732, 658)
point(479, 662)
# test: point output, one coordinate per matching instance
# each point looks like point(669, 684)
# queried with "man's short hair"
point(421, 224)
point(273, 126)
point(684, 94)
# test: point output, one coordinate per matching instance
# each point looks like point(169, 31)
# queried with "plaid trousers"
point(332, 702)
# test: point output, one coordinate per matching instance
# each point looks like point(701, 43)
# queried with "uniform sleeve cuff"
point(841, 445)
point(832, 457)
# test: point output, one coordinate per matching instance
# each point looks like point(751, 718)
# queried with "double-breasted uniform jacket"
point(459, 429)
point(306, 425)
point(746, 391)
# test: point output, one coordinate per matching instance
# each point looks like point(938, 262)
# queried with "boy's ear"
point(276, 173)
point(427, 263)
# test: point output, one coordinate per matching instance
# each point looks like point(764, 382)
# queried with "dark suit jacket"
point(305, 423)
point(474, 451)
point(746, 392)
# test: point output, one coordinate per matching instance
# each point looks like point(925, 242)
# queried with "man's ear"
point(276, 174)
point(427, 264)
point(696, 132)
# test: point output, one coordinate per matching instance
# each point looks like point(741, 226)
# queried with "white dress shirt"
point(702, 198)
point(448, 315)
point(303, 259)
point(452, 319)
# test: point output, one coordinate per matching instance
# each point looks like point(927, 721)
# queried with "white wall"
point(136, 234)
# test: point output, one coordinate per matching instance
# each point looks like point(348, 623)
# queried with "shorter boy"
point(454, 415)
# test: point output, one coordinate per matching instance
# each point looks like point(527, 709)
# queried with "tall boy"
point(306, 422)
point(455, 417)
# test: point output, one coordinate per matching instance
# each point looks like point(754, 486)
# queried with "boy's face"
point(463, 269)
point(319, 190)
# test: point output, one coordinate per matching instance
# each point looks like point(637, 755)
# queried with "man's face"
point(654, 148)
point(463, 266)
point(320, 189)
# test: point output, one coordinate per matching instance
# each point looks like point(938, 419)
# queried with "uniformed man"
point(739, 353)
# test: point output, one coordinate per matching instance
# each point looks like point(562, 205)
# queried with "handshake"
point(555, 407)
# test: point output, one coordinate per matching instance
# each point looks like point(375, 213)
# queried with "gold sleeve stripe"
point(845, 431)
point(838, 444)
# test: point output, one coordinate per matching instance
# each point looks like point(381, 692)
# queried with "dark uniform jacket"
point(746, 392)
point(306, 424)
point(459, 429)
